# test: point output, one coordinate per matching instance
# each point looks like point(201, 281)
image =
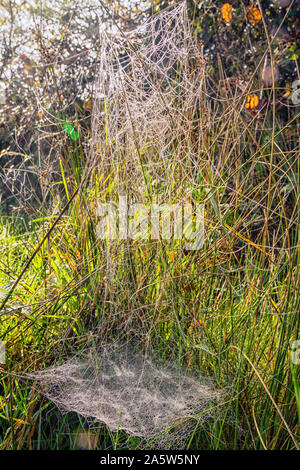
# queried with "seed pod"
point(268, 73)
point(282, 3)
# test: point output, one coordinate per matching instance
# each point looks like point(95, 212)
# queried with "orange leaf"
point(252, 102)
point(226, 11)
point(254, 15)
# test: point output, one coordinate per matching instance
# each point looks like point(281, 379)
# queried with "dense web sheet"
point(161, 404)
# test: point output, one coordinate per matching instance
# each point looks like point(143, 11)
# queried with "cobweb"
point(147, 118)
point(147, 94)
point(115, 385)
point(147, 90)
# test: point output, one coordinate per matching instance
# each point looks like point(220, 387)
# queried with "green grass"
point(229, 310)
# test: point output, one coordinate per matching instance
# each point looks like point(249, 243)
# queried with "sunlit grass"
point(229, 310)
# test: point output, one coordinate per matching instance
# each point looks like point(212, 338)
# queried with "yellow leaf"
point(20, 421)
point(247, 240)
point(27, 66)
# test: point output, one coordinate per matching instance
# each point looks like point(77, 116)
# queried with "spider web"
point(147, 93)
point(148, 88)
point(115, 384)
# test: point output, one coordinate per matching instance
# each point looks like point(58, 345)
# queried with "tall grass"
point(229, 310)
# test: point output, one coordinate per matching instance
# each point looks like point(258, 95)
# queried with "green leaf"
point(70, 130)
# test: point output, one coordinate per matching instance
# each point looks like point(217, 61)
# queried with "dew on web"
point(147, 92)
